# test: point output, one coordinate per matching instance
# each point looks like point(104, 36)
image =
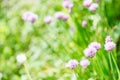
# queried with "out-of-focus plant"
point(38, 38)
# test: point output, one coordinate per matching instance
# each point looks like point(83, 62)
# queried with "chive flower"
point(109, 46)
point(67, 4)
point(95, 45)
point(29, 16)
point(93, 7)
point(108, 39)
point(84, 63)
point(90, 52)
point(72, 64)
point(61, 16)
point(87, 3)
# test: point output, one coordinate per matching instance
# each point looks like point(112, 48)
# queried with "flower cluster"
point(90, 52)
point(58, 15)
point(90, 5)
point(29, 16)
point(87, 3)
point(95, 45)
point(92, 49)
point(61, 16)
point(109, 44)
point(108, 39)
point(67, 4)
point(74, 63)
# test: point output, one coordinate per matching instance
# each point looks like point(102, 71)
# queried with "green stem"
point(116, 66)
point(111, 66)
point(27, 71)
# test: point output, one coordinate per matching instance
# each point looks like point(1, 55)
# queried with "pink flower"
point(84, 23)
point(48, 19)
point(87, 3)
point(108, 39)
point(72, 64)
point(95, 45)
point(90, 52)
point(67, 4)
point(84, 63)
point(61, 15)
point(93, 7)
point(109, 46)
point(30, 17)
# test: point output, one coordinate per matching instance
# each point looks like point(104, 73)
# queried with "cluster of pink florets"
point(109, 44)
point(90, 52)
point(30, 17)
point(67, 4)
point(92, 49)
point(90, 5)
point(74, 63)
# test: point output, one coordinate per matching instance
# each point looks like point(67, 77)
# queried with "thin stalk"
point(75, 75)
point(111, 67)
point(100, 68)
point(116, 66)
point(27, 71)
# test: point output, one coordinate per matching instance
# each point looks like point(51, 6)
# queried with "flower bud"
point(93, 7)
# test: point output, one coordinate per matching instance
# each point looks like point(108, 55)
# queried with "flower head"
point(109, 46)
point(61, 15)
point(84, 63)
point(21, 58)
point(108, 39)
point(93, 7)
point(95, 45)
point(72, 64)
point(87, 3)
point(67, 4)
point(30, 17)
point(84, 23)
point(48, 19)
point(90, 52)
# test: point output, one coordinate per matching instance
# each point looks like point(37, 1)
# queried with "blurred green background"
point(48, 47)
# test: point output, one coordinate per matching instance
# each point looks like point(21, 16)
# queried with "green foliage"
point(48, 47)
